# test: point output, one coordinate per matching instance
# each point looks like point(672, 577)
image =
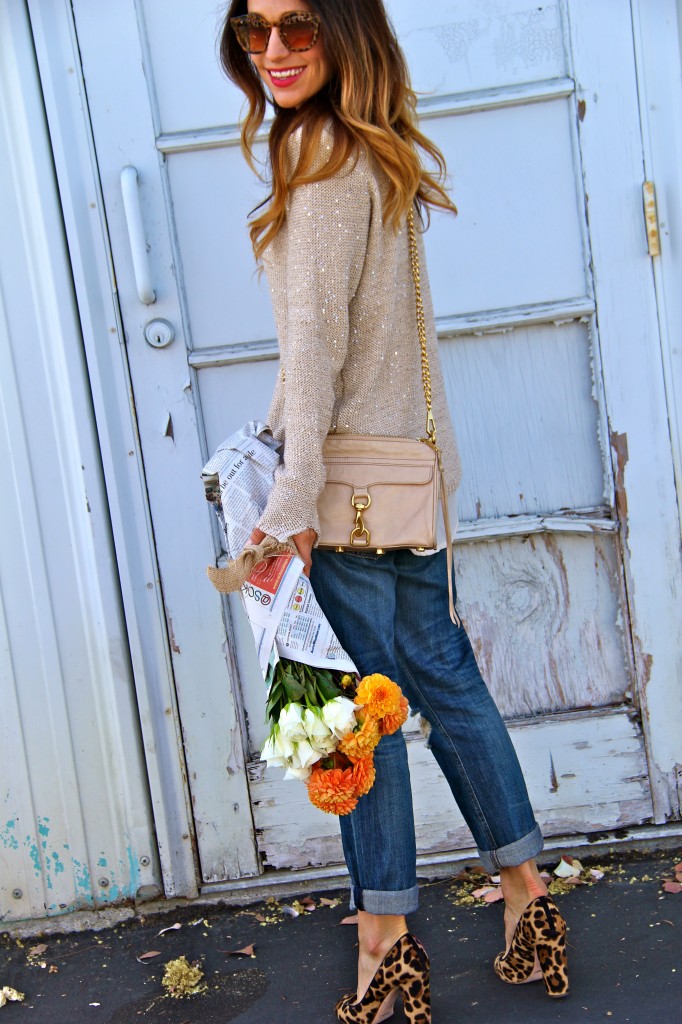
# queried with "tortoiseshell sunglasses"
point(298, 30)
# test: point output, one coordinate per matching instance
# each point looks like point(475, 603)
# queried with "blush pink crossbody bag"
point(384, 492)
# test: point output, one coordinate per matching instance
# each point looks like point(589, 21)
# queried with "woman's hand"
point(304, 545)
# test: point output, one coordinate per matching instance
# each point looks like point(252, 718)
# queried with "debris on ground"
point(672, 884)
point(34, 956)
point(144, 957)
point(246, 951)
point(273, 912)
point(10, 995)
point(173, 928)
point(182, 979)
point(473, 887)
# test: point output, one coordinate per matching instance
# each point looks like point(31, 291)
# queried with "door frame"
point(635, 388)
point(656, 644)
point(658, 53)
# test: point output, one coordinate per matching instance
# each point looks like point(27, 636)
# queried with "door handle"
point(138, 242)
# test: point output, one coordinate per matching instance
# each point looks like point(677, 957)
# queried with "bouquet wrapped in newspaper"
point(324, 721)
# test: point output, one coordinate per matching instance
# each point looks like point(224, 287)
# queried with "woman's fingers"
point(304, 545)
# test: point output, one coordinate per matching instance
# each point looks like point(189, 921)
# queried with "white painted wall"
point(75, 818)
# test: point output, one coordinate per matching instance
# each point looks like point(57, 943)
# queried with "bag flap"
point(372, 474)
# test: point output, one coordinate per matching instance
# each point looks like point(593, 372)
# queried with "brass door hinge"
point(651, 218)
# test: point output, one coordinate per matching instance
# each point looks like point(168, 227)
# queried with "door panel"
point(213, 192)
point(526, 421)
point(539, 550)
point(584, 773)
point(522, 243)
point(459, 48)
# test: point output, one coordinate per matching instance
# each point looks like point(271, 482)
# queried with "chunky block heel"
point(405, 968)
point(416, 995)
point(541, 930)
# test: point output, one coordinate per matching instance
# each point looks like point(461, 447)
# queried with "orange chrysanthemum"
point(364, 774)
point(379, 695)
point(391, 723)
point(333, 790)
point(360, 743)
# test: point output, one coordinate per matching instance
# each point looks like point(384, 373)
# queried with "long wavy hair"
point(369, 100)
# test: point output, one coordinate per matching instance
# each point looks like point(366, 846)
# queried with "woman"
point(346, 167)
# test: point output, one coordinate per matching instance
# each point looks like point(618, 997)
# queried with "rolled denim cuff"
point(377, 901)
point(514, 854)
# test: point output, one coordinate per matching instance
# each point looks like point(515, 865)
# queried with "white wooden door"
point(547, 322)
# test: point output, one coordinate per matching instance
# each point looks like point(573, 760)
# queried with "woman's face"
point(292, 78)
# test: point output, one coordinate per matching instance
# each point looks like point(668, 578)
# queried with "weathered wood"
point(585, 772)
point(543, 614)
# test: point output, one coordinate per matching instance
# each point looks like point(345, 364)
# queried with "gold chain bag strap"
point(382, 492)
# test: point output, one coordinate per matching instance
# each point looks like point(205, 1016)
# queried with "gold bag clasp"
point(359, 535)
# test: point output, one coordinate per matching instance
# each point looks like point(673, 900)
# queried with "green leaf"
point(294, 690)
point(328, 688)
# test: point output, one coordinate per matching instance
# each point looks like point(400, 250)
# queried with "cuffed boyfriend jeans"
point(390, 612)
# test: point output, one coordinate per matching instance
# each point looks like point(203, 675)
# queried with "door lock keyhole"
point(159, 333)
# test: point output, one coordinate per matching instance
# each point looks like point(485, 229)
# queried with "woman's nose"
point(276, 48)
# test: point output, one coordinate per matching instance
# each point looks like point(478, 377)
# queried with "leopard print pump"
point(406, 968)
point(541, 930)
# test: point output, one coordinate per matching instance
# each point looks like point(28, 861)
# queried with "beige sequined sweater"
point(344, 305)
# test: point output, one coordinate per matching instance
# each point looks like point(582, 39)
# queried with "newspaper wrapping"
point(283, 612)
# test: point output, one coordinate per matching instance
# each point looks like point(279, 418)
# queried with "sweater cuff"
point(280, 523)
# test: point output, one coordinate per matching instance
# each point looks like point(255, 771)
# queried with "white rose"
point(272, 752)
point(339, 715)
point(297, 773)
point(315, 728)
point(327, 745)
point(286, 748)
point(306, 754)
point(291, 723)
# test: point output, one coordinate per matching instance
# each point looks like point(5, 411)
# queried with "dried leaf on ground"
point(353, 919)
point(568, 867)
point(272, 912)
point(246, 951)
point(494, 895)
point(170, 928)
point(672, 887)
point(149, 955)
point(329, 903)
point(10, 995)
point(479, 893)
point(38, 950)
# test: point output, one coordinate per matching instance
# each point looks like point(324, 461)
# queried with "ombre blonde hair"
point(368, 99)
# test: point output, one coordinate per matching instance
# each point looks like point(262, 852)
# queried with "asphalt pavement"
point(625, 933)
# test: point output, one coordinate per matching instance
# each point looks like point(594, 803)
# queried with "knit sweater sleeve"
point(326, 228)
